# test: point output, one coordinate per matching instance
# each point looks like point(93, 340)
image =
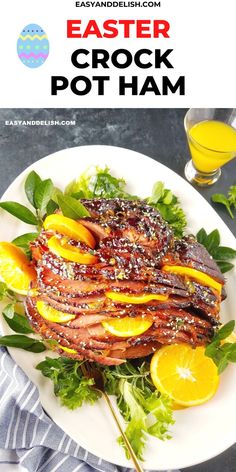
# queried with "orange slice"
point(126, 327)
point(15, 268)
point(68, 227)
point(186, 375)
point(50, 314)
point(193, 274)
point(67, 349)
point(61, 248)
point(136, 299)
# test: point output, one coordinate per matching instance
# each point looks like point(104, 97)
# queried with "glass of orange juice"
point(211, 134)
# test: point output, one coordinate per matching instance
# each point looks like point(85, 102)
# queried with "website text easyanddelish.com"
point(40, 123)
point(118, 4)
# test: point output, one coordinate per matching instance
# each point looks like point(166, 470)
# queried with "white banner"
point(151, 54)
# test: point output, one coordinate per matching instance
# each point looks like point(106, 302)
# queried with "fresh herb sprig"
point(169, 207)
point(98, 183)
point(222, 353)
point(20, 211)
point(229, 200)
point(38, 193)
point(45, 199)
point(70, 386)
point(71, 207)
point(15, 321)
point(221, 254)
point(144, 409)
point(23, 342)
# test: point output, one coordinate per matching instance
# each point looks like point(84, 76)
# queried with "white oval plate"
point(199, 433)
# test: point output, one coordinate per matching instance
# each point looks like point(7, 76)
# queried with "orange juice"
point(212, 144)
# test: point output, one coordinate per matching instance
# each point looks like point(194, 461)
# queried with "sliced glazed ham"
point(133, 243)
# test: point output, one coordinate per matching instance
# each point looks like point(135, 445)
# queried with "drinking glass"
point(214, 146)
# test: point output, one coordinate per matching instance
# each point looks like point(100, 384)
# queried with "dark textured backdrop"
point(158, 133)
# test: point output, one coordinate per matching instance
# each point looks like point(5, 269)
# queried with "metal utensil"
point(92, 372)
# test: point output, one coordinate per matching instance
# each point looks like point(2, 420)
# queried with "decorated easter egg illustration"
point(33, 46)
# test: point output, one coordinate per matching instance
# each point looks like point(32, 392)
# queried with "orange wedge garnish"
point(15, 268)
point(61, 248)
point(185, 374)
point(126, 327)
point(193, 274)
point(68, 227)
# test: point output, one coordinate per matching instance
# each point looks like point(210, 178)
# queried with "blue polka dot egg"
point(33, 46)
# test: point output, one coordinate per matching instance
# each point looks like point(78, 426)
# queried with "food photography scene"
point(117, 289)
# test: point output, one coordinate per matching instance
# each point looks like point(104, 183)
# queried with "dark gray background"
point(158, 133)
